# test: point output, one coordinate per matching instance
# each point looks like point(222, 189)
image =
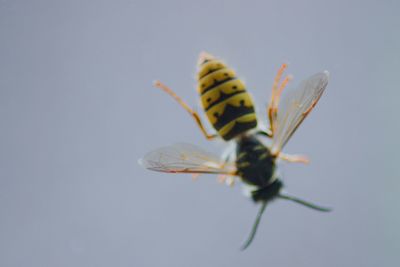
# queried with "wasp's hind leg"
point(294, 158)
point(277, 89)
point(193, 113)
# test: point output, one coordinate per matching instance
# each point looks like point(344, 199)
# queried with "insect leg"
point(194, 114)
point(277, 89)
point(294, 158)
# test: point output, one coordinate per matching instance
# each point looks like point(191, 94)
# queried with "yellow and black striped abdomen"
point(224, 98)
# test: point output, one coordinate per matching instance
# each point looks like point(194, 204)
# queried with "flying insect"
point(230, 110)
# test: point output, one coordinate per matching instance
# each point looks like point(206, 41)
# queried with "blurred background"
point(77, 110)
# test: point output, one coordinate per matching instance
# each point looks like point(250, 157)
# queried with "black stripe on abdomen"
point(217, 83)
point(224, 97)
point(238, 128)
point(231, 113)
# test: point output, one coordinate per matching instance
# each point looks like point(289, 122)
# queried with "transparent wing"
point(185, 158)
point(295, 107)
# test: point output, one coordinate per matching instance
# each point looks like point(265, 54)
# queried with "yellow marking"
point(233, 101)
point(212, 65)
point(243, 164)
point(226, 128)
point(259, 147)
point(262, 156)
point(241, 155)
point(210, 97)
point(217, 76)
point(213, 95)
point(245, 118)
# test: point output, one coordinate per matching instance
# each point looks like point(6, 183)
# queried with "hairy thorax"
point(254, 162)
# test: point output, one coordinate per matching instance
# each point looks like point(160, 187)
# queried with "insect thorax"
point(267, 193)
point(254, 162)
point(224, 98)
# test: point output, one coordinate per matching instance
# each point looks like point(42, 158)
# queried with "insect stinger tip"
point(203, 57)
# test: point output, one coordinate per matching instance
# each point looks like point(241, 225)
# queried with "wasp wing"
point(185, 158)
point(295, 107)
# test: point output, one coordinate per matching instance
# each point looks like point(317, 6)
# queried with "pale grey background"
point(77, 109)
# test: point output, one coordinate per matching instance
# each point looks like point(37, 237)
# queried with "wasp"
point(230, 110)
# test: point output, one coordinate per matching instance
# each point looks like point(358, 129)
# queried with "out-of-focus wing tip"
point(140, 162)
point(327, 74)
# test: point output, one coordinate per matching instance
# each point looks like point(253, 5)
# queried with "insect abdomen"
point(224, 98)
